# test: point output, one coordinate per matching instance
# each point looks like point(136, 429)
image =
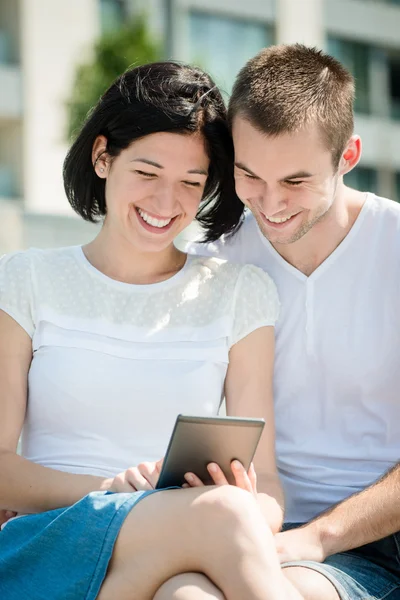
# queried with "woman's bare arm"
point(25, 486)
point(249, 393)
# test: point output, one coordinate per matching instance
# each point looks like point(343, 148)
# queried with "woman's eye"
point(145, 174)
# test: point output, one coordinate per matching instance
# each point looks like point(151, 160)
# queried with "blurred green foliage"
point(114, 52)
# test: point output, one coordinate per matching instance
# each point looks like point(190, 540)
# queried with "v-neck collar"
point(332, 257)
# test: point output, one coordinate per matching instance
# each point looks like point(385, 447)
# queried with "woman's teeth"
point(152, 221)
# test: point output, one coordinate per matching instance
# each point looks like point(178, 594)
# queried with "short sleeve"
point(16, 289)
point(256, 302)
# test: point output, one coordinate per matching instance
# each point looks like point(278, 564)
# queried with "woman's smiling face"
point(153, 187)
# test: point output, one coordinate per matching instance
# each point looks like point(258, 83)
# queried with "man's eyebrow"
point(243, 167)
point(158, 166)
point(298, 175)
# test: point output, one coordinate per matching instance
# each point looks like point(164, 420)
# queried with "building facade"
point(42, 41)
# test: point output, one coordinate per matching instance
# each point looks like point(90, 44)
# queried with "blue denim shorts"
point(63, 554)
point(371, 572)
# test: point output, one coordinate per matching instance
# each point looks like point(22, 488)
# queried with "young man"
point(334, 254)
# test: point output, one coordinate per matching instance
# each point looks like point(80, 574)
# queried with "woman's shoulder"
point(36, 257)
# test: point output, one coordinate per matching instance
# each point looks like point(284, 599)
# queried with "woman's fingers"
point(253, 477)
point(193, 480)
point(241, 477)
point(134, 477)
point(245, 480)
point(150, 471)
point(217, 474)
point(120, 484)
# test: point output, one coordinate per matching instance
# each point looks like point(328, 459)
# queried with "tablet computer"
point(197, 441)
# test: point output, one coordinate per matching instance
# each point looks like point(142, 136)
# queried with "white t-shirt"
point(114, 363)
point(337, 366)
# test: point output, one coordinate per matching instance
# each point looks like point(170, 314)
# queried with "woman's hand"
point(5, 515)
point(142, 477)
point(245, 481)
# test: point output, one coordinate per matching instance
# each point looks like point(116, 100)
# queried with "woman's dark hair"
point(164, 96)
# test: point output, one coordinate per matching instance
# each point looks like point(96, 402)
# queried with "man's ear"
point(100, 158)
point(351, 155)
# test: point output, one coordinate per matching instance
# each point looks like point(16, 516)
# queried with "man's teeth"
point(152, 221)
point(279, 220)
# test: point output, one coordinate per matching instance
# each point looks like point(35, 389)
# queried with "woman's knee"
point(228, 508)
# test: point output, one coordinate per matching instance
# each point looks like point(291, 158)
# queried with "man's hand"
point(302, 543)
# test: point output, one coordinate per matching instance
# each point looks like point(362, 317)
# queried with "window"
point(5, 47)
point(394, 85)
point(112, 14)
point(7, 182)
point(364, 179)
point(222, 45)
point(397, 187)
point(355, 57)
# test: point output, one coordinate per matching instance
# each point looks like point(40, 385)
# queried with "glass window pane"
point(394, 82)
point(112, 13)
point(222, 45)
point(355, 57)
point(364, 179)
point(397, 187)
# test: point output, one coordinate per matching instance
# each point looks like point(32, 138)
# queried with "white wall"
point(300, 21)
point(55, 36)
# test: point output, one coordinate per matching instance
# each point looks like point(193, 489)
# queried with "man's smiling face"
point(288, 181)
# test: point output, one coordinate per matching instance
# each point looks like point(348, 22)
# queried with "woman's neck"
point(119, 260)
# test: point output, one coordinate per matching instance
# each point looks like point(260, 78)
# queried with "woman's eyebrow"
point(148, 162)
point(158, 166)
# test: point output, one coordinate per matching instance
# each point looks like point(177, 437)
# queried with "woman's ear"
point(351, 155)
point(100, 158)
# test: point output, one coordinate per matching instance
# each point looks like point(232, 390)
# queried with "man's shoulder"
point(385, 206)
point(385, 216)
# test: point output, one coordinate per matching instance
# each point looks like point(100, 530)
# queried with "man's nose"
point(273, 201)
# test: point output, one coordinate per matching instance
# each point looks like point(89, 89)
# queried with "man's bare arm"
point(365, 517)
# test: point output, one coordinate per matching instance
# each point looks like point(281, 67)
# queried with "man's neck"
point(310, 251)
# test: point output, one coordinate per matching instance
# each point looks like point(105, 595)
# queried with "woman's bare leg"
point(217, 531)
point(190, 586)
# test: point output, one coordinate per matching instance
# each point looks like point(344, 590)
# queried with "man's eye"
point(250, 176)
point(294, 182)
point(192, 183)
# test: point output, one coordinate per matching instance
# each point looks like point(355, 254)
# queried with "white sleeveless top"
point(114, 363)
point(337, 366)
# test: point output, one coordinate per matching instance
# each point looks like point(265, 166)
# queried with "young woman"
point(102, 346)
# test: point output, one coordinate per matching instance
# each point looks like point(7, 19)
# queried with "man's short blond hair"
point(285, 88)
